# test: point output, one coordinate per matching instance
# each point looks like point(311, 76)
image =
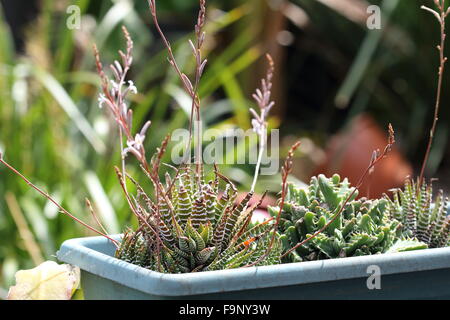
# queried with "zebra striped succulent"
point(192, 228)
point(421, 217)
point(362, 228)
point(189, 225)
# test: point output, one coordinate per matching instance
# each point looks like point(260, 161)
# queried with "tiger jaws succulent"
point(363, 227)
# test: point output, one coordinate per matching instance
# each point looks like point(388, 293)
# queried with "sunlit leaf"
point(48, 281)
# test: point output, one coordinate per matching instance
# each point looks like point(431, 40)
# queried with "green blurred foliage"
point(53, 131)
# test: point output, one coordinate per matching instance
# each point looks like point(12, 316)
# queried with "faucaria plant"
point(185, 224)
point(326, 221)
point(363, 227)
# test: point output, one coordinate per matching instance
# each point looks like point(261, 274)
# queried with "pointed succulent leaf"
point(327, 189)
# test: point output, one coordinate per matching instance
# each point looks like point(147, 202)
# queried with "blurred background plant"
point(53, 130)
point(336, 82)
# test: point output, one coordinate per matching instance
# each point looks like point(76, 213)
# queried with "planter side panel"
point(433, 284)
point(421, 274)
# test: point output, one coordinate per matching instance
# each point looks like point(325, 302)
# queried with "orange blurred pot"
point(349, 154)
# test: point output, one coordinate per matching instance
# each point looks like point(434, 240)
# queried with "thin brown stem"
point(191, 89)
point(172, 61)
point(62, 210)
point(441, 15)
point(200, 65)
point(132, 206)
point(94, 215)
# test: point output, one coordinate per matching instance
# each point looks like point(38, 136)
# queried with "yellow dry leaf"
point(48, 281)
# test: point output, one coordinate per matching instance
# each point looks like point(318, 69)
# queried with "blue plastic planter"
point(423, 274)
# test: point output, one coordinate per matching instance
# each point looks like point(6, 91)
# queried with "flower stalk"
point(262, 97)
point(441, 15)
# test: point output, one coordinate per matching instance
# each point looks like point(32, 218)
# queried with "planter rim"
point(80, 252)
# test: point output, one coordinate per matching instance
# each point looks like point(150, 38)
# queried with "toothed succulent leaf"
point(363, 227)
